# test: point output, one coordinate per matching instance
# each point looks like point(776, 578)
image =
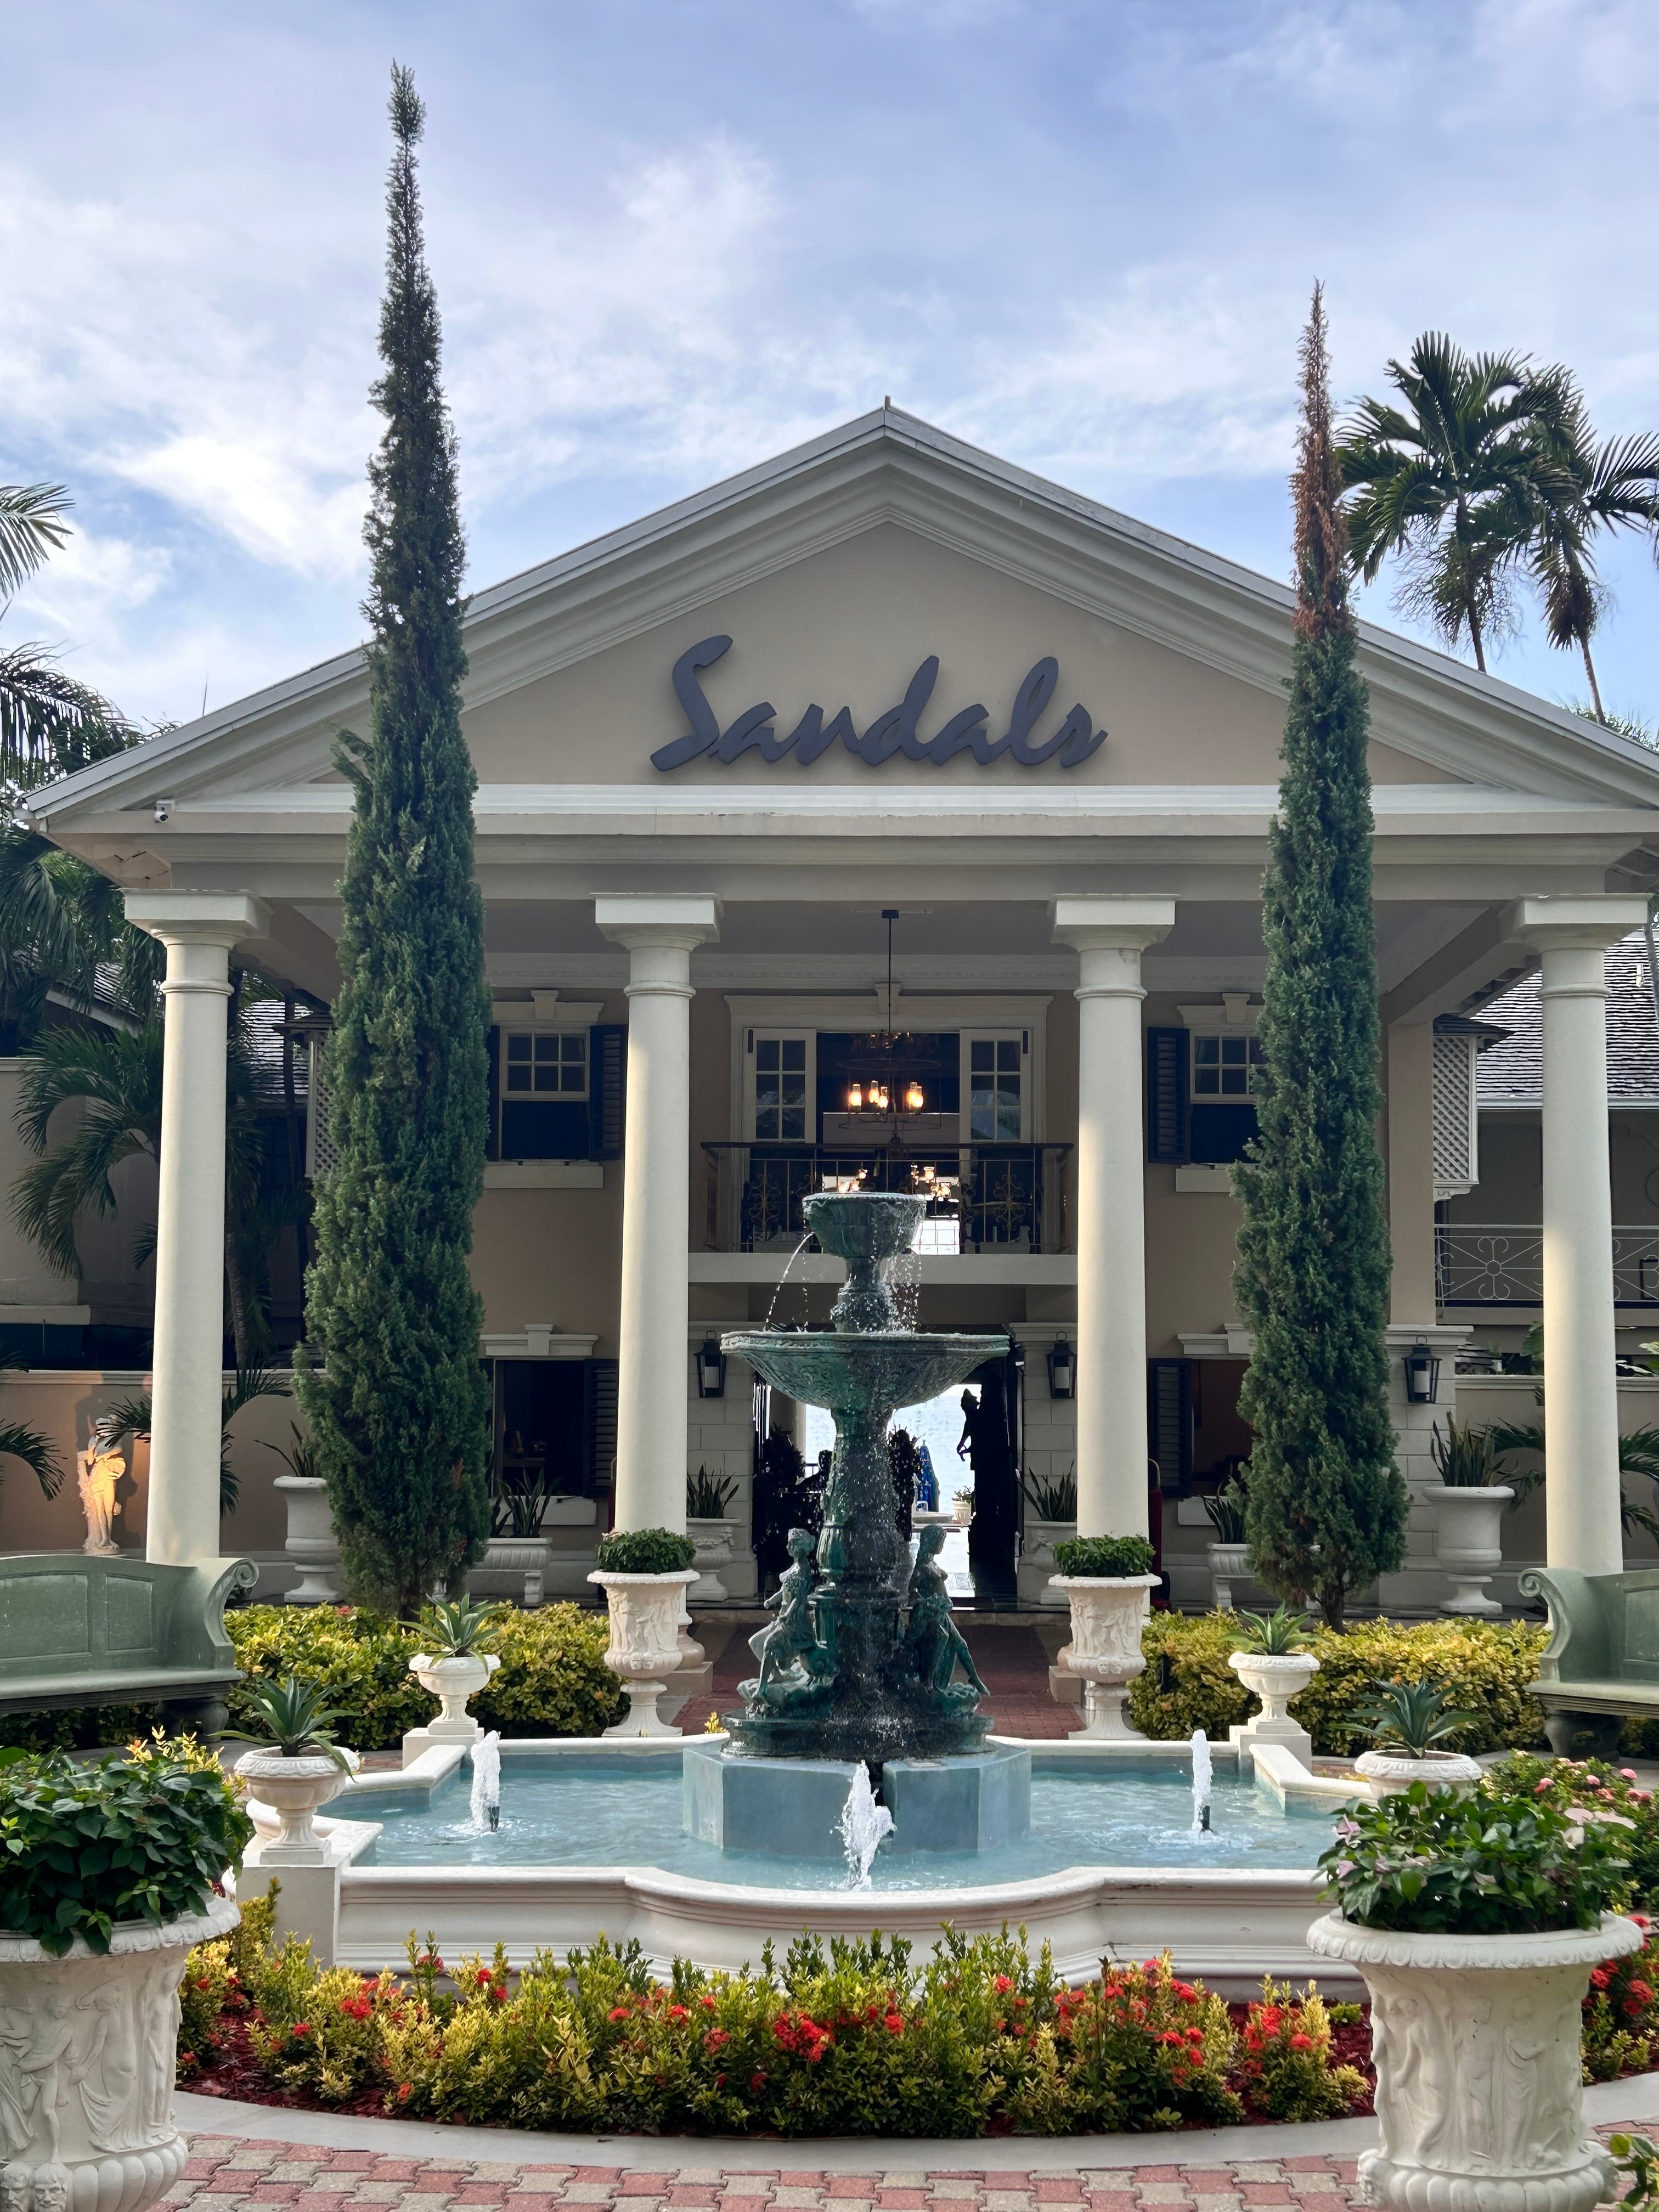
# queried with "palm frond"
point(37, 1453)
point(31, 528)
point(51, 725)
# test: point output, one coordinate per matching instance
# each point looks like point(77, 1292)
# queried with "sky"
point(673, 237)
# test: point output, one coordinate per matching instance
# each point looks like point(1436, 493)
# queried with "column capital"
point(1110, 924)
point(680, 923)
point(1587, 922)
point(226, 918)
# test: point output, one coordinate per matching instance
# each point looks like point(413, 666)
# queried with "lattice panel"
point(1457, 1161)
point(322, 1154)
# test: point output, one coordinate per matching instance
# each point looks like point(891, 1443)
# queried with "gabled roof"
point(1511, 1073)
point(889, 466)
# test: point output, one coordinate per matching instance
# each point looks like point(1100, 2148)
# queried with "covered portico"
point(674, 916)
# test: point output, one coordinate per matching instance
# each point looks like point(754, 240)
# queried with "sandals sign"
point(898, 732)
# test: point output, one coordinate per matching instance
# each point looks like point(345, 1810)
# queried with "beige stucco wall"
point(849, 627)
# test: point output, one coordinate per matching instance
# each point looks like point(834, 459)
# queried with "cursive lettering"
point(896, 731)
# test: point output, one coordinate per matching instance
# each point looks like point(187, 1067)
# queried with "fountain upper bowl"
point(864, 1225)
point(882, 1367)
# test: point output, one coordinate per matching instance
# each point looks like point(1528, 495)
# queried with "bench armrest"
point(195, 1634)
point(1578, 1647)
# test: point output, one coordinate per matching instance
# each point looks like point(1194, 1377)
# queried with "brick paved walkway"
point(225, 2175)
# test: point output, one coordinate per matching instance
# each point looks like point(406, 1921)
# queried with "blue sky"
point(671, 237)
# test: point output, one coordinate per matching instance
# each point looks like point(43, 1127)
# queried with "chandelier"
point(874, 1085)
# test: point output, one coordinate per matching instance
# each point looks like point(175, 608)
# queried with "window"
point(780, 1090)
point(996, 1089)
point(1224, 1066)
point(546, 1064)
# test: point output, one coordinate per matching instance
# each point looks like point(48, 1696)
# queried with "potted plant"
point(1275, 1662)
point(1414, 1719)
point(1108, 1583)
point(644, 1573)
point(517, 1546)
point(1469, 1508)
point(1475, 1922)
point(295, 1766)
point(456, 1667)
point(1224, 1509)
point(1051, 1520)
point(962, 1507)
point(706, 1496)
point(311, 1543)
point(93, 1935)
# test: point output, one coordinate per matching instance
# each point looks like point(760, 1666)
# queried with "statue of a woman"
point(100, 1466)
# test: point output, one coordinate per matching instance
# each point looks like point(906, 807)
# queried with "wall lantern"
point(711, 1369)
point(1062, 1371)
point(1422, 1374)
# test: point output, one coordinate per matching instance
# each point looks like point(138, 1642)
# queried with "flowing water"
point(864, 1827)
point(484, 1807)
point(597, 1809)
point(1203, 1782)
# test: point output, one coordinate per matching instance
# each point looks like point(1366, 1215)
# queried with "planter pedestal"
point(311, 1543)
point(452, 1682)
point(1469, 1544)
point(516, 1556)
point(87, 2122)
point(1275, 1677)
point(714, 1547)
point(1478, 2099)
point(1226, 1567)
point(646, 1645)
point(1108, 1614)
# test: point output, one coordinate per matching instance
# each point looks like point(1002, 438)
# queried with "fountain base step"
point(794, 1806)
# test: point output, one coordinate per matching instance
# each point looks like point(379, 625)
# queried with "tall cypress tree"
point(1327, 1506)
point(393, 1387)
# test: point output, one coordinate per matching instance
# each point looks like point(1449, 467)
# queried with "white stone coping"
point(1335, 1937)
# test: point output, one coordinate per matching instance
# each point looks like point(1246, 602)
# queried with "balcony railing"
point(981, 1197)
point(1502, 1264)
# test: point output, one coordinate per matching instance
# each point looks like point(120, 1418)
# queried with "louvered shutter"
point(599, 1421)
point(1454, 1126)
point(1170, 1423)
point(607, 1079)
point(493, 1135)
point(1166, 1095)
point(322, 1154)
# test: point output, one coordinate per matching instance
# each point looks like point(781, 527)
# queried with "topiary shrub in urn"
point(1107, 1581)
point(107, 1880)
point(1476, 1921)
point(644, 1573)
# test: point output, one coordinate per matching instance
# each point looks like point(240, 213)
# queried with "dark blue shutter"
point(1166, 1095)
point(1170, 1423)
point(607, 1079)
point(599, 1423)
point(493, 1140)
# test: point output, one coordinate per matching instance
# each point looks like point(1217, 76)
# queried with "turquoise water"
point(590, 1810)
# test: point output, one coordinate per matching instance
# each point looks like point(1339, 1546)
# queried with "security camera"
point(163, 809)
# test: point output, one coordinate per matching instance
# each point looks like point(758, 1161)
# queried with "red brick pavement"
point(229, 2173)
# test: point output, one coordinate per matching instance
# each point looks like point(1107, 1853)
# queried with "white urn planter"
point(294, 1788)
point(1468, 1543)
point(453, 1681)
point(1275, 1677)
point(1036, 1559)
point(89, 2042)
point(714, 1541)
point(1478, 2099)
point(1226, 1567)
point(311, 1543)
point(1390, 1772)
point(524, 1556)
point(644, 1641)
point(1108, 1614)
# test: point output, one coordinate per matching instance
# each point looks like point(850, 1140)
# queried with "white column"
point(199, 929)
point(660, 934)
point(1580, 1388)
point(1110, 934)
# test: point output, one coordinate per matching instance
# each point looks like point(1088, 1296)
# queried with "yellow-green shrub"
point(1487, 1664)
point(552, 1680)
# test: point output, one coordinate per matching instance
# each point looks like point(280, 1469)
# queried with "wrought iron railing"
point(981, 1197)
point(1502, 1264)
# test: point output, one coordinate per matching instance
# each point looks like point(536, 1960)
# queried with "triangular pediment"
point(838, 572)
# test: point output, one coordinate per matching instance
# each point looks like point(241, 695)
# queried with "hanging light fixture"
point(882, 1090)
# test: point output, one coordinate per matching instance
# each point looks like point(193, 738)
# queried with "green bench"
point(1601, 1663)
point(76, 1629)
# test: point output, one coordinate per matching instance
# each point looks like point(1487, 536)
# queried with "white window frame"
point(1232, 1017)
point(750, 1037)
point(543, 1014)
point(985, 1034)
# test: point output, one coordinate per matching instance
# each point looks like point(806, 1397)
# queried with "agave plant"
point(1052, 1501)
point(1465, 1458)
point(1277, 1634)
point(1225, 1510)
point(1413, 1714)
point(707, 1496)
point(296, 1721)
point(456, 1628)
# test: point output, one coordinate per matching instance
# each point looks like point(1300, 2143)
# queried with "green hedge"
point(552, 1680)
point(1488, 1665)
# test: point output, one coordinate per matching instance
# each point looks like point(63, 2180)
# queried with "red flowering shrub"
point(1621, 2013)
point(1285, 2068)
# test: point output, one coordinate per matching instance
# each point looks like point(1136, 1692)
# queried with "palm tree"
point(1448, 483)
point(131, 1417)
point(1583, 486)
point(19, 1441)
point(49, 724)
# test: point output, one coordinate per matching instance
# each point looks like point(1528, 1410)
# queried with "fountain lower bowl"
point(847, 1372)
point(794, 1807)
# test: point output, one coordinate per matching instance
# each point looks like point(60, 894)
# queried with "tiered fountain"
point(860, 1665)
